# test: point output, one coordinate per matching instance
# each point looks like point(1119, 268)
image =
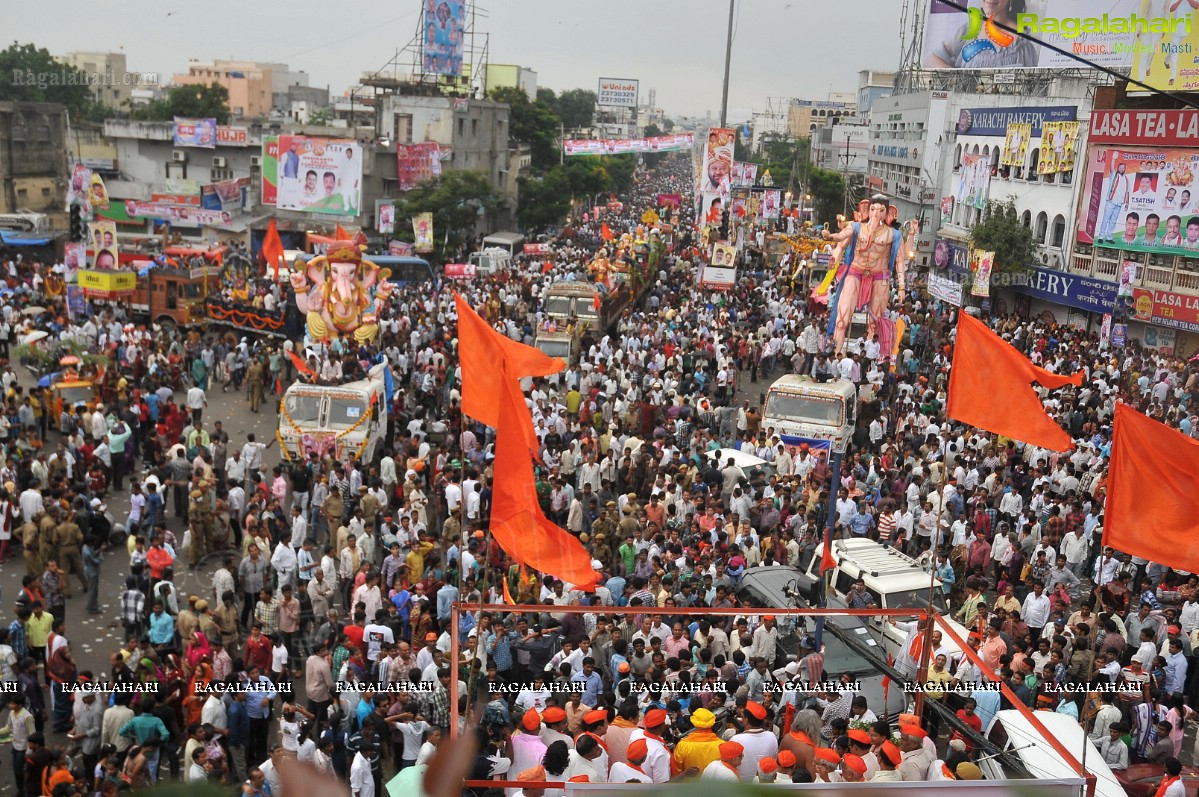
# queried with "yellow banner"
point(108, 281)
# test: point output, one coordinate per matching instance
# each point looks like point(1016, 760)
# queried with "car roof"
point(881, 562)
point(1042, 761)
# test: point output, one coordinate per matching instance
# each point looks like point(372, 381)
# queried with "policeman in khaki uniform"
point(30, 543)
point(69, 539)
point(255, 381)
point(200, 519)
point(47, 540)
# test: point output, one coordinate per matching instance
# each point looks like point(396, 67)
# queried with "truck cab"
point(335, 420)
point(563, 345)
point(798, 408)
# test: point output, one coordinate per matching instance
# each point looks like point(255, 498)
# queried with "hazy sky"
point(782, 48)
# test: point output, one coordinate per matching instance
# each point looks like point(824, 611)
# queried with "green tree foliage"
point(532, 123)
point(575, 108)
point(455, 200)
point(191, 102)
point(828, 193)
point(30, 74)
point(544, 201)
point(1002, 233)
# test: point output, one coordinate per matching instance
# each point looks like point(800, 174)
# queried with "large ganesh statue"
point(346, 294)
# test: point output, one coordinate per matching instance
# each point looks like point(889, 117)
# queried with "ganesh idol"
point(874, 249)
point(340, 300)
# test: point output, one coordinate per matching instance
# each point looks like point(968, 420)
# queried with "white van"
point(491, 261)
point(336, 420)
point(1011, 732)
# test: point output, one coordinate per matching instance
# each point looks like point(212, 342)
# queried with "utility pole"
point(728, 56)
point(845, 175)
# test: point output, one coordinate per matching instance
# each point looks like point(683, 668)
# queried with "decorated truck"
point(335, 420)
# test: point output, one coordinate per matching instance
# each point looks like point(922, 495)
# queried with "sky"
point(781, 48)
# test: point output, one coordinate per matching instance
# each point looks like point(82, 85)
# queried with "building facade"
point(33, 159)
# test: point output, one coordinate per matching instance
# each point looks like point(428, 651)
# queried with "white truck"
point(798, 408)
point(491, 260)
point(336, 420)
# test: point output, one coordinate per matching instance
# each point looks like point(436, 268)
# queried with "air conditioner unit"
point(255, 161)
point(179, 156)
point(218, 162)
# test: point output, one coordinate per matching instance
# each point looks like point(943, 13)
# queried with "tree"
point(544, 201)
point(1002, 233)
point(546, 96)
point(458, 200)
point(532, 123)
point(575, 108)
point(30, 74)
point(320, 117)
point(191, 102)
point(828, 193)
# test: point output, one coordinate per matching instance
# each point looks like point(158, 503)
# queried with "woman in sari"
point(193, 702)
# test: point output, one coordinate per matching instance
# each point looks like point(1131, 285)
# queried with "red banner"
point(460, 270)
point(1176, 310)
point(537, 249)
point(416, 163)
point(1145, 128)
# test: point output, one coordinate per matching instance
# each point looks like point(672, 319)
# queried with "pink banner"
point(613, 146)
point(460, 270)
point(416, 163)
point(187, 216)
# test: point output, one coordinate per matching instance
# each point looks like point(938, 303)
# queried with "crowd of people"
point(326, 634)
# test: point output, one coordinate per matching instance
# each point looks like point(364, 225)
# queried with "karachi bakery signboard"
point(1142, 198)
point(319, 175)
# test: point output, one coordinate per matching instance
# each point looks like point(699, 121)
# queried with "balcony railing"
point(1155, 272)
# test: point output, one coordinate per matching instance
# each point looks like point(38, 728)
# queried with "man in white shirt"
point(196, 402)
point(362, 783)
point(251, 455)
point(1036, 609)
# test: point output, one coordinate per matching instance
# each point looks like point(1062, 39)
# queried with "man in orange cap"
point(727, 767)
point(595, 725)
point(853, 769)
point(758, 742)
point(634, 770)
point(824, 763)
point(657, 760)
point(527, 747)
point(554, 718)
point(531, 775)
point(889, 759)
point(699, 748)
point(768, 770)
point(787, 764)
point(916, 759)
point(860, 746)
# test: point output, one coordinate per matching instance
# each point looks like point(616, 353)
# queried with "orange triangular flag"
point(1151, 498)
point(827, 562)
point(990, 386)
point(508, 594)
point(480, 351)
point(342, 235)
point(516, 520)
point(606, 232)
point(272, 248)
point(301, 366)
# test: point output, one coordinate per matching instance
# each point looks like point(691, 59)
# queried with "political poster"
point(617, 93)
point(974, 181)
point(102, 237)
point(270, 169)
point(385, 217)
point(443, 37)
point(771, 202)
point(179, 215)
point(1128, 278)
point(946, 209)
point(74, 258)
point(97, 192)
point(224, 195)
point(712, 209)
point(401, 249)
point(1058, 143)
point(716, 172)
point(416, 163)
point(194, 133)
point(983, 263)
point(1108, 36)
point(422, 231)
point(76, 302)
point(678, 142)
point(319, 175)
point(1140, 200)
point(79, 189)
point(1015, 145)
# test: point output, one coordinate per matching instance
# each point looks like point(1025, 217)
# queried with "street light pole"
point(728, 56)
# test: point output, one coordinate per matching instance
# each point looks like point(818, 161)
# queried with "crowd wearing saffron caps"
point(345, 571)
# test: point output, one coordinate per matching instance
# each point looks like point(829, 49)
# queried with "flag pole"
point(830, 521)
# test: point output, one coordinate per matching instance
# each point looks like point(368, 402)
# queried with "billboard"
point(102, 237)
point(974, 181)
point(1141, 200)
point(1108, 34)
point(270, 169)
point(195, 133)
point(1015, 145)
point(1167, 63)
point(416, 163)
point(678, 142)
point(1144, 128)
point(443, 37)
point(319, 175)
point(1059, 142)
point(995, 121)
point(617, 93)
point(1167, 309)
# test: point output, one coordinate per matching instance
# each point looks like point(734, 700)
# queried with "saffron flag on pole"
point(300, 365)
point(1152, 503)
point(990, 386)
point(606, 232)
point(481, 350)
point(342, 234)
point(516, 519)
point(272, 248)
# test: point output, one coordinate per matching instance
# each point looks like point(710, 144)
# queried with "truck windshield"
point(915, 599)
point(810, 409)
point(555, 348)
point(75, 395)
point(558, 305)
point(345, 412)
point(303, 409)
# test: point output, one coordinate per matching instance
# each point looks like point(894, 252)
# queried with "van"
point(895, 581)
point(1011, 732)
point(491, 261)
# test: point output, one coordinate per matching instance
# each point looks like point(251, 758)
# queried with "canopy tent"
point(10, 238)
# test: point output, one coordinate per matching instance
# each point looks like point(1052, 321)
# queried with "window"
point(22, 194)
point(474, 127)
point(1032, 165)
point(1042, 226)
point(402, 128)
point(1026, 219)
point(957, 157)
point(461, 127)
point(1059, 230)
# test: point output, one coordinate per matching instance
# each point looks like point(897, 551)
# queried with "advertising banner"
point(1167, 309)
point(183, 216)
point(175, 199)
point(320, 175)
point(1108, 35)
point(422, 229)
point(385, 217)
point(617, 93)
point(458, 271)
point(270, 170)
point(1142, 200)
point(612, 146)
point(107, 284)
point(1058, 143)
point(983, 263)
point(195, 133)
point(444, 37)
point(946, 209)
point(718, 277)
point(537, 249)
point(944, 288)
point(1166, 61)
point(232, 135)
point(974, 181)
point(1015, 146)
point(716, 172)
point(1144, 128)
point(416, 163)
point(102, 236)
point(994, 121)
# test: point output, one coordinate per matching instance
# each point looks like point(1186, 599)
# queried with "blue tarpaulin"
point(10, 238)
